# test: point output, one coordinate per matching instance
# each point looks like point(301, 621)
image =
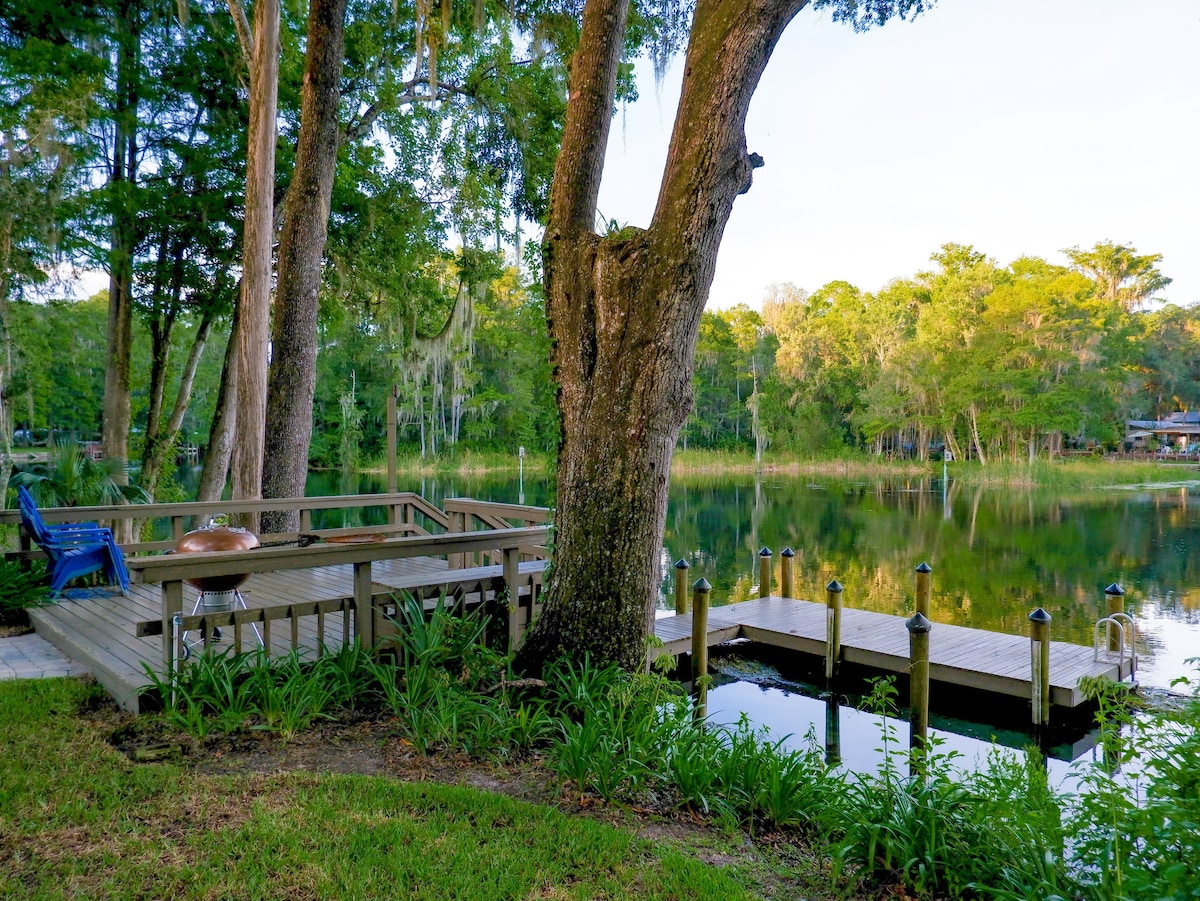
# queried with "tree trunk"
point(162, 442)
point(255, 300)
point(220, 436)
point(6, 427)
point(975, 436)
point(301, 255)
point(624, 314)
point(116, 413)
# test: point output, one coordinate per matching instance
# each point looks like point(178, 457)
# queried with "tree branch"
point(359, 129)
point(593, 79)
point(241, 25)
point(707, 163)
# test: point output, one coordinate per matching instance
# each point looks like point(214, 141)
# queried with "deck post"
point(172, 603)
point(364, 627)
point(1039, 642)
point(681, 588)
point(787, 584)
point(833, 629)
point(1114, 602)
point(700, 595)
point(923, 571)
point(512, 578)
point(764, 573)
point(919, 628)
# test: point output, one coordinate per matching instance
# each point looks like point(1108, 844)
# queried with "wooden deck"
point(99, 628)
point(973, 658)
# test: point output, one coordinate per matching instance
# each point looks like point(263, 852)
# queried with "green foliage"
point(21, 587)
point(73, 479)
point(998, 832)
point(1133, 826)
point(227, 692)
point(945, 832)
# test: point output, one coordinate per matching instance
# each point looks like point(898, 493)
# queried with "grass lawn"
point(79, 819)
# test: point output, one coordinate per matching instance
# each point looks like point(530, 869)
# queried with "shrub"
point(21, 587)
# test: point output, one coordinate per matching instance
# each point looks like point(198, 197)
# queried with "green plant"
point(1133, 825)
point(71, 478)
point(529, 724)
point(21, 587)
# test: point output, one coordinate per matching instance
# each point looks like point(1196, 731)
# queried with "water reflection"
point(996, 553)
point(854, 738)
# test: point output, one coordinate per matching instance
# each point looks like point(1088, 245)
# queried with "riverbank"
point(1061, 474)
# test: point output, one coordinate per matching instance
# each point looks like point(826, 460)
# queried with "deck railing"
point(172, 570)
point(468, 515)
point(406, 513)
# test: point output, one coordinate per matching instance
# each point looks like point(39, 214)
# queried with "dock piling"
point(833, 730)
point(700, 595)
point(919, 628)
point(833, 629)
point(787, 586)
point(764, 573)
point(1039, 642)
point(681, 588)
point(1114, 602)
point(923, 574)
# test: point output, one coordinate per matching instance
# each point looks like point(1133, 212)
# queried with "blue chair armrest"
point(75, 540)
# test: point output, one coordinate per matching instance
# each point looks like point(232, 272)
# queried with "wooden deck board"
point(958, 655)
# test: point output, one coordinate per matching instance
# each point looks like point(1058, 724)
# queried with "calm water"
point(996, 555)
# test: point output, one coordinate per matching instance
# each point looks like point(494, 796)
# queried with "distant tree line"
point(990, 362)
point(993, 362)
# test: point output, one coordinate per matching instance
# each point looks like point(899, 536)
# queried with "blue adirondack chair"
point(73, 549)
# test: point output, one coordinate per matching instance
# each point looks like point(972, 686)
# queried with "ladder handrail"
point(1103, 631)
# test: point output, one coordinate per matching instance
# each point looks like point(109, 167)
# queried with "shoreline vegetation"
point(1061, 473)
point(353, 779)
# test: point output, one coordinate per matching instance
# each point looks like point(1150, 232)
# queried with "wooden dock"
point(961, 656)
point(114, 636)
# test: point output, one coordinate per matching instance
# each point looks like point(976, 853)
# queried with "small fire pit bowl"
point(217, 538)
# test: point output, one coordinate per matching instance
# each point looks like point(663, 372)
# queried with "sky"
point(1021, 127)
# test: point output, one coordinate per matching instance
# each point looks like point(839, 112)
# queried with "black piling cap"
point(918, 625)
point(924, 568)
point(765, 552)
point(682, 564)
point(701, 584)
point(1039, 616)
point(1114, 588)
point(835, 585)
point(787, 552)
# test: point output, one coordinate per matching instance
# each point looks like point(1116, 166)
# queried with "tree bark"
point(162, 441)
point(624, 313)
point(220, 436)
point(301, 256)
point(6, 427)
point(255, 300)
point(116, 412)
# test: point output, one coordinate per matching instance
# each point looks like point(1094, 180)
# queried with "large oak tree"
point(624, 310)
